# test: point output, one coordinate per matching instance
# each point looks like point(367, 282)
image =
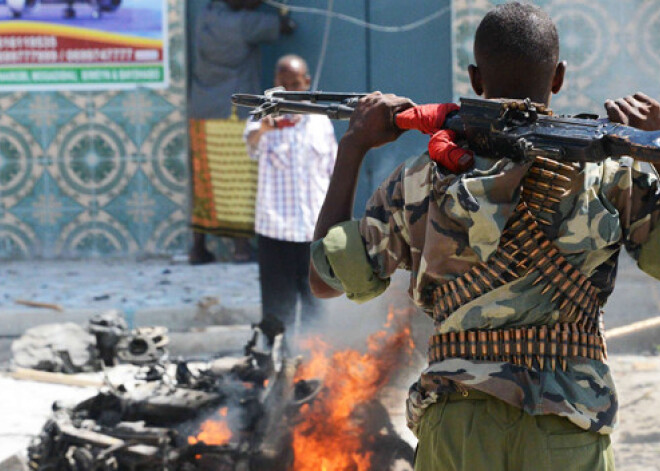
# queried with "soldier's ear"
point(558, 78)
point(475, 79)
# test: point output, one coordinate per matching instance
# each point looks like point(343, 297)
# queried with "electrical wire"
point(324, 46)
point(359, 22)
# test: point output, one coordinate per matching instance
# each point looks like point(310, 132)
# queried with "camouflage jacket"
point(437, 226)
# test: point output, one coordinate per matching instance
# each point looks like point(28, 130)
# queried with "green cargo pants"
point(479, 432)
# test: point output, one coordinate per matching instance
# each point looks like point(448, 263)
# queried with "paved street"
point(181, 297)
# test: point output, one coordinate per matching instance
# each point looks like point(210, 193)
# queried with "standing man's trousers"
point(284, 279)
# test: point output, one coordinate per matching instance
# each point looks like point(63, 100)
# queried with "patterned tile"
point(172, 235)
point(177, 64)
point(93, 159)
point(140, 208)
point(95, 234)
point(166, 159)
point(17, 239)
point(19, 155)
point(43, 114)
point(137, 112)
point(46, 209)
point(612, 48)
point(7, 100)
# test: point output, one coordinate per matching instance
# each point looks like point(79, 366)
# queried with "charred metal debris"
point(153, 425)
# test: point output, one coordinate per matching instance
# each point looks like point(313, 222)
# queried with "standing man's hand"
point(638, 111)
point(372, 122)
point(271, 123)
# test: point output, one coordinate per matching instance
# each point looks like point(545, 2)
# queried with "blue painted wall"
point(415, 63)
point(612, 48)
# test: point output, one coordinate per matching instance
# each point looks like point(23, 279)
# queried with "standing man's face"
point(293, 77)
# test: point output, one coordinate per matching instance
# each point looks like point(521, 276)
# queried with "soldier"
point(512, 260)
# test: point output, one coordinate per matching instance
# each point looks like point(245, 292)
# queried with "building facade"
point(105, 174)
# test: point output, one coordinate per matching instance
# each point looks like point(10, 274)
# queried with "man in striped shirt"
point(296, 155)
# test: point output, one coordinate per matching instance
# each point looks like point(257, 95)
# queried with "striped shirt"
point(295, 165)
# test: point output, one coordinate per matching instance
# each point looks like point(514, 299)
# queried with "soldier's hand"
point(638, 111)
point(372, 122)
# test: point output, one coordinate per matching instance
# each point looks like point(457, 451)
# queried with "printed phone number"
point(67, 55)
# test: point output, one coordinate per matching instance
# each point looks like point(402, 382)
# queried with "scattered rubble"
point(67, 348)
point(70, 348)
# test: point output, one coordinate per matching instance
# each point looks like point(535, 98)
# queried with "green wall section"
point(414, 63)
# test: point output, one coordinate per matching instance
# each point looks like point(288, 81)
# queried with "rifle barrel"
point(245, 99)
point(271, 104)
point(333, 111)
point(316, 96)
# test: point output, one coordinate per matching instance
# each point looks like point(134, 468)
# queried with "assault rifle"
point(517, 129)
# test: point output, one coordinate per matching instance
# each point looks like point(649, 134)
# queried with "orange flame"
point(328, 438)
point(213, 431)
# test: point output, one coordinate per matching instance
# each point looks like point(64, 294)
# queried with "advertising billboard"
point(82, 44)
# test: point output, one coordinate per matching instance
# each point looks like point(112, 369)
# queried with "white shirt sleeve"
point(329, 135)
point(250, 126)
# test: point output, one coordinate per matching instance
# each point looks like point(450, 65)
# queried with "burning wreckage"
point(264, 410)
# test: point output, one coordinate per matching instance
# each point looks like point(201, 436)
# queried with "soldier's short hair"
point(516, 35)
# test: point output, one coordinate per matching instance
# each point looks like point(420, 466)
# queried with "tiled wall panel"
point(612, 48)
point(86, 174)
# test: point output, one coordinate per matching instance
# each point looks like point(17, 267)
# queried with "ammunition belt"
point(524, 250)
point(543, 187)
point(525, 346)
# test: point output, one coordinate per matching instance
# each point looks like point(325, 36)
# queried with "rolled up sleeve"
point(358, 257)
point(649, 254)
point(341, 261)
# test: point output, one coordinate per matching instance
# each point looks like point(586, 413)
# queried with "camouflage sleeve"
point(643, 239)
point(384, 227)
point(640, 216)
point(341, 261)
